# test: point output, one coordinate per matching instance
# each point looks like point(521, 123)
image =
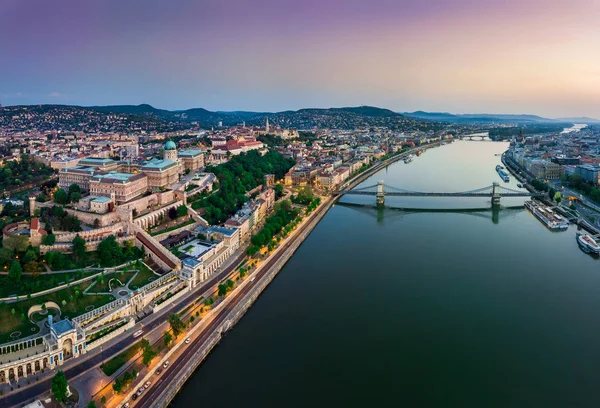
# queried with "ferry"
point(502, 173)
point(588, 244)
point(409, 158)
point(549, 218)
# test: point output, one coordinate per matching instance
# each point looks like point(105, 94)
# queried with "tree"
point(74, 188)
point(60, 196)
point(222, 289)
point(182, 211)
point(557, 197)
point(177, 326)
point(79, 247)
point(109, 251)
point(49, 239)
point(16, 243)
point(15, 272)
point(75, 197)
point(91, 404)
point(59, 386)
point(148, 355)
point(278, 189)
point(168, 338)
point(172, 213)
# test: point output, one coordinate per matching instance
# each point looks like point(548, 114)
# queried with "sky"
point(460, 56)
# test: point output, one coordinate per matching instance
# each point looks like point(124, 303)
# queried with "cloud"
point(55, 94)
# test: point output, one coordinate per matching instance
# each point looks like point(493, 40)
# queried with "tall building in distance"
point(267, 126)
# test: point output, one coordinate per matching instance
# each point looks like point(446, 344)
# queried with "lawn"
point(122, 276)
point(38, 317)
point(112, 365)
point(37, 283)
point(174, 227)
point(13, 323)
point(75, 304)
point(142, 278)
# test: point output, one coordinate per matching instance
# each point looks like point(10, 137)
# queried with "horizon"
point(459, 56)
point(311, 107)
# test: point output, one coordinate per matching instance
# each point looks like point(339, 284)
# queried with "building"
point(170, 152)
point(587, 172)
point(98, 163)
point(122, 186)
point(79, 175)
point(192, 160)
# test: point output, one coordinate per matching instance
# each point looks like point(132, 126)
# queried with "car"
point(188, 340)
point(140, 391)
point(134, 397)
point(252, 280)
point(137, 333)
point(148, 384)
point(166, 364)
point(126, 405)
point(158, 371)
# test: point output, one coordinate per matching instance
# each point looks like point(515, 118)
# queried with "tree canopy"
point(59, 386)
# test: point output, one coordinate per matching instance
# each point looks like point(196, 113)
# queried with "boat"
point(547, 216)
point(588, 244)
point(502, 174)
point(409, 158)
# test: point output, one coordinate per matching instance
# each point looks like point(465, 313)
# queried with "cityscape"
point(414, 248)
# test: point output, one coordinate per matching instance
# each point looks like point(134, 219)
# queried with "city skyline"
point(457, 56)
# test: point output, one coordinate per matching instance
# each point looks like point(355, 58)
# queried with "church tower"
point(267, 126)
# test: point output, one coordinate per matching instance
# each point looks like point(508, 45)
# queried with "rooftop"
point(158, 164)
point(63, 326)
point(190, 153)
point(114, 177)
point(101, 199)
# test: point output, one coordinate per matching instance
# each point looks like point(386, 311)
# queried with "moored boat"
point(547, 216)
point(588, 244)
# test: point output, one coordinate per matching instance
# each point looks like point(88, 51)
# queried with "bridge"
point(495, 191)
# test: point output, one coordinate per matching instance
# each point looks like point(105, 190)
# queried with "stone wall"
point(89, 218)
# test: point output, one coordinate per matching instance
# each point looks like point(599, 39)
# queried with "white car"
point(188, 340)
point(140, 391)
point(148, 384)
point(166, 364)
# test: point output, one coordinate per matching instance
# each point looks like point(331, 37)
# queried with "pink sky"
point(529, 56)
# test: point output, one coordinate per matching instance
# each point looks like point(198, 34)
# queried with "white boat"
point(588, 244)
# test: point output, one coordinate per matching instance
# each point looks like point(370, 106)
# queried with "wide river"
point(419, 308)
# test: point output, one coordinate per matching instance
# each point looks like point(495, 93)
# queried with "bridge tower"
point(495, 194)
point(380, 193)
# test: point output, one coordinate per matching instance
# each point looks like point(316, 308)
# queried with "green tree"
point(222, 290)
point(79, 247)
point(49, 239)
point(60, 196)
point(16, 243)
point(75, 197)
point(59, 386)
point(182, 211)
point(177, 326)
point(148, 355)
point(168, 339)
point(74, 188)
point(109, 251)
point(91, 404)
point(15, 272)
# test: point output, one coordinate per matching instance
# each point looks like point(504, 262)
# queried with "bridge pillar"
point(495, 194)
point(380, 193)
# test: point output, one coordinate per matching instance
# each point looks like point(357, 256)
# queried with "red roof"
point(35, 224)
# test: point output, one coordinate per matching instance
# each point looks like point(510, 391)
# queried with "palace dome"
point(170, 145)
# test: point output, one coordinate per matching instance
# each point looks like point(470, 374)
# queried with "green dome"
point(170, 145)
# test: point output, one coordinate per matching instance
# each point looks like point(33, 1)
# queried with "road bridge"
point(380, 191)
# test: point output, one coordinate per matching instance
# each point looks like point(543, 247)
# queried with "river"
point(419, 309)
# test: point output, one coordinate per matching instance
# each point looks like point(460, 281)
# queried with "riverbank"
point(236, 305)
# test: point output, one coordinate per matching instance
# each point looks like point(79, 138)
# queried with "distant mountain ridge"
point(493, 117)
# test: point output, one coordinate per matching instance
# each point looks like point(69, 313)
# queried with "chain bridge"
point(495, 191)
